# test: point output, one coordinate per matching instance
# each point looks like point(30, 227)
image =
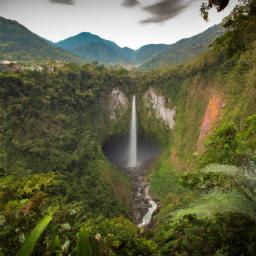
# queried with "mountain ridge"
point(19, 43)
point(185, 49)
point(95, 48)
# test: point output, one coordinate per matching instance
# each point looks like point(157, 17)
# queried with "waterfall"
point(132, 163)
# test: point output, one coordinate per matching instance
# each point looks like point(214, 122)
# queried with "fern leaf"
point(30, 242)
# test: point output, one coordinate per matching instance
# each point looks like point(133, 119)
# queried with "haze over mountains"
point(18, 43)
point(92, 47)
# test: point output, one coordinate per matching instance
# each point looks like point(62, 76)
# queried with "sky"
point(132, 24)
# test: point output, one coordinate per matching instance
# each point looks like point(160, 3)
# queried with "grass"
point(164, 179)
point(118, 182)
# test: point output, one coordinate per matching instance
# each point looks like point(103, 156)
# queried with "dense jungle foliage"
point(60, 196)
point(51, 158)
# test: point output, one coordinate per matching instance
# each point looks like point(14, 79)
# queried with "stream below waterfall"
point(146, 220)
point(144, 206)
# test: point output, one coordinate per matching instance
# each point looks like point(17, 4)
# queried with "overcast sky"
point(110, 19)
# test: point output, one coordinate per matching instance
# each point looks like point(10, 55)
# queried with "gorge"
point(134, 154)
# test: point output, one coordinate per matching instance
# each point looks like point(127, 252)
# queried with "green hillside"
point(18, 43)
point(146, 52)
point(185, 50)
point(53, 152)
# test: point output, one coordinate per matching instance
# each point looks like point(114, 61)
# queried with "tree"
point(218, 4)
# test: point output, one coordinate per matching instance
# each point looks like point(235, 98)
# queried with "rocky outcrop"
point(144, 207)
point(117, 101)
point(158, 103)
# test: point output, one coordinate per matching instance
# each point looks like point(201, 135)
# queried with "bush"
point(229, 233)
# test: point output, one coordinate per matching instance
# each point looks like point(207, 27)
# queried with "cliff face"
point(158, 104)
point(118, 102)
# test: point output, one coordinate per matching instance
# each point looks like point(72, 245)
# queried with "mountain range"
point(18, 43)
point(94, 48)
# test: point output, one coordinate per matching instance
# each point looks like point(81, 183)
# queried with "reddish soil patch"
point(211, 116)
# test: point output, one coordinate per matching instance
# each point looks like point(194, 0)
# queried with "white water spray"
point(132, 163)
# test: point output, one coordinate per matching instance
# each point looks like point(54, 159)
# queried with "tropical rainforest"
point(60, 195)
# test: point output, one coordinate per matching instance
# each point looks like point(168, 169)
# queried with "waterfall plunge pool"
point(116, 149)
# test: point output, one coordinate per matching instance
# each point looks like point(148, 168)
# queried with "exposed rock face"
point(211, 116)
point(117, 101)
point(158, 103)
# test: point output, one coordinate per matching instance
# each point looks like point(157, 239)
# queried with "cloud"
point(161, 10)
point(62, 1)
point(130, 3)
point(165, 10)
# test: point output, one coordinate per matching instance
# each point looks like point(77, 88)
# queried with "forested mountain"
point(94, 48)
point(18, 43)
point(185, 49)
point(144, 53)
